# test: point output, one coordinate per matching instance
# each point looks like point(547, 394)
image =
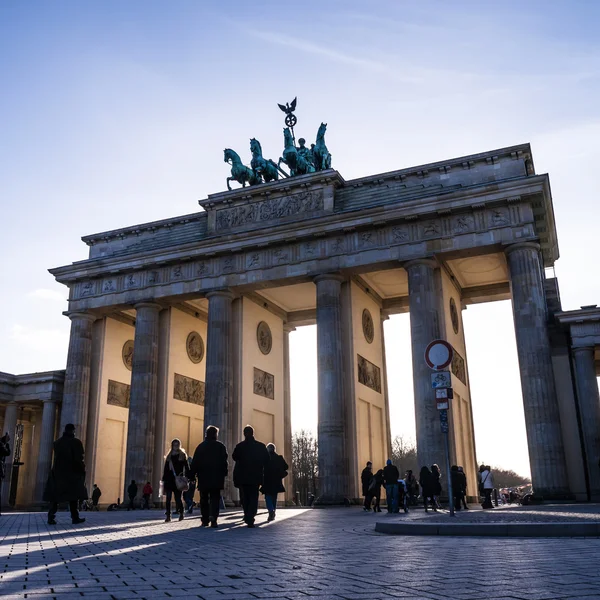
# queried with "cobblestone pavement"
point(320, 554)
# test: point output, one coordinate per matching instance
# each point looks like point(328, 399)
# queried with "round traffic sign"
point(438, 354)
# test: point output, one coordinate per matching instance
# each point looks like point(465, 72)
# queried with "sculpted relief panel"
point(369, 374)
point(189, 390)
point(118, 394)
point(264, 384)
point(272, 209)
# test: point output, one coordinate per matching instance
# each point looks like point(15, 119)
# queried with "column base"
point(326, 501)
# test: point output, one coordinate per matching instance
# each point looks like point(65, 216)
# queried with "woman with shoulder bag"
point(175, 477)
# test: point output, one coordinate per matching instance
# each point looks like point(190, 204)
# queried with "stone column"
point(77, 377)
point(542, 418)
point(287, 410)
point(331, 429)
point(388, 446)
point(219, 365)
point(45, 450)
point(10, 424)
point(142, 402)
point(424, 302)
point(589, 407)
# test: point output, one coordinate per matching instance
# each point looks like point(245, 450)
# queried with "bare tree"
point(404, 455)
point(305, 464)
point(504, 478)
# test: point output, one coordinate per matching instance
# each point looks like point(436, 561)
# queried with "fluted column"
point(77, 377)
point(331, 427)
point(219, 365)
point(142, 403)
point(9, 426)
point(287, 409)
point(589, 407)
point(424, 302)
point(542, 418)
point(388, 445)
point(45, 451)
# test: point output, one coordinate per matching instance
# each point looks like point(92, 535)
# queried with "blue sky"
point(115, 113)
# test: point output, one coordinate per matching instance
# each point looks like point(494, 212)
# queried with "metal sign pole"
point(449, 474)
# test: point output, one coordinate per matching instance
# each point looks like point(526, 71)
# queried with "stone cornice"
point(586, 314)
point(496, 194)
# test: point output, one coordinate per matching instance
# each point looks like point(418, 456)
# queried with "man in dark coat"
point(276, 470)
point(390, 480)
point(132, 493)
point(210, 466)
point(96, 493)
point(66, 482)
point(251, 459)
point(4, 452)
point(366, 477)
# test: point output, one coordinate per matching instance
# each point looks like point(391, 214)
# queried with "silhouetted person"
point(427, 487)
point(275, 472)
point(366, 477)
point(146, 495)
point(96, 493)
point(463, 488)
point(251, 459)
point(176, 465)
point(132, 493)
point(486, 485)
point(391, 475)
point(4, 452)
point(456, 486)
point(66, 482)
point(375, 492)
point(412, 487)
point(210, 466)
point(436, 475)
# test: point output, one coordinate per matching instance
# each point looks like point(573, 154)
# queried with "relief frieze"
point(271, 209)
point(369, 374)
point(264, 384)
point(118, 394)
point(189, 390)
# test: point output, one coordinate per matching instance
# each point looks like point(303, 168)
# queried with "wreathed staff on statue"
point(299, 159)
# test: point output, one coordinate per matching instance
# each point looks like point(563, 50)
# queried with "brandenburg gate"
point(185, 322)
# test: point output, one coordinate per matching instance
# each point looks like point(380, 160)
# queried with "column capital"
point(85, 316)
point(49, 401)
point(578, 349)
point(329, 277)
point(147, 304)
point(224, 293)
point(288, 328)
point(522, 246)
point(426, 262)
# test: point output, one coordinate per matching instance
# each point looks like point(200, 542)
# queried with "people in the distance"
point(176, 465)
point(486, 485)
point(390, 480)
point(146, 495)
point(275, 472)
point(412, 487)
point(4, 452)
point(251, 459)
point(437, 485)
point(210, 466)
point(375, 492)
point(366, 477)
point(96, 493)
point(66, 482)
point(462, 481)
point(132, 490)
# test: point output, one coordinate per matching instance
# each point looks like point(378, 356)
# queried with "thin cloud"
point(41, 340)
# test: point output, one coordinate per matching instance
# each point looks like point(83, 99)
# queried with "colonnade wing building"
point(185, 322)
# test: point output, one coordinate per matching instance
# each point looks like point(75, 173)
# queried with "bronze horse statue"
point(263, 168)
point(239, 172)
point(294, 159)
point(321, 155)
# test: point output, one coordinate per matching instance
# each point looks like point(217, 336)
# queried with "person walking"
point(412, 487)
point(251, 459)
point(210, 466)
point(375, 491)
point(463, 488)
point(132, 490)
point(486, 485)
point(437, 485)
point(188, 495)
point(4, 452)
point(275, 472)
point(176, 465)
point(146, 495)
point(456, 486)
point(391, 475)
point(427, 487)
point(366, 477)
point(66, 482)
point(96, 493)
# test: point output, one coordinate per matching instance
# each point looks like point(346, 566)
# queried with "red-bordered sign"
point(438, 355)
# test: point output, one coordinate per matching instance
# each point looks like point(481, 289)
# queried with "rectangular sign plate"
point(441, 393)
point(442, 406)
point(441, 379)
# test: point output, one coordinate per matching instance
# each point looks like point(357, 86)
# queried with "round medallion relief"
point(368, 327)
point(195, 347)
point(264, 337)
point(454, 315)
point(127, 354)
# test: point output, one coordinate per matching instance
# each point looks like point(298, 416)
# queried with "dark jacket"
point(66, 481)
point(462, 483)
point(210, 465)
point(96, 493)
point(365, 478)
point(251, 459)
point(390, 474)
point(427, 483)
point(180, 466)
point(132, 490)
point(275, 471)
point(4, 452)
point(376, 483)
point(436, 477)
